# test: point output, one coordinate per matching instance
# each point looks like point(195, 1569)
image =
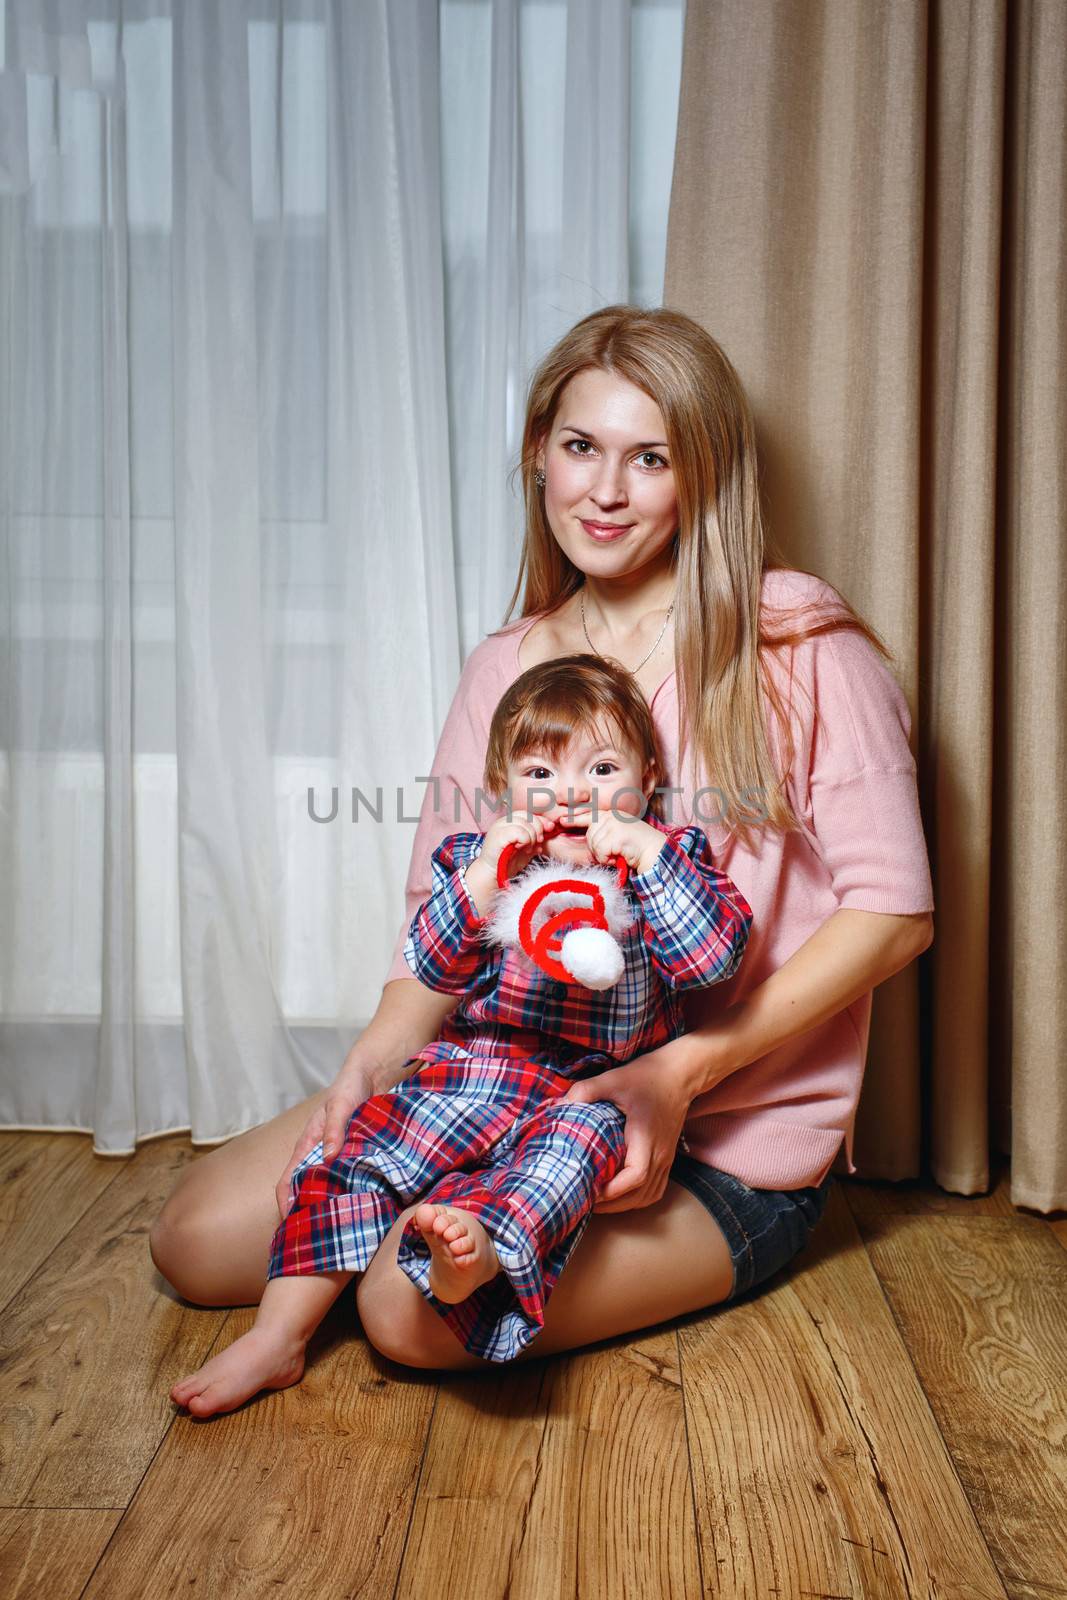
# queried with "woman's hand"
point(652, 1095)
point(354, 1084)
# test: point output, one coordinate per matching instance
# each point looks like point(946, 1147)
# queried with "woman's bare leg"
point(211, 1241)
point(629, 1270)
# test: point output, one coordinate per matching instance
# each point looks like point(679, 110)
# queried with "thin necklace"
point(592, 646)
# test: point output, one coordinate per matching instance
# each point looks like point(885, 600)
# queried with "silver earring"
point(539, 478)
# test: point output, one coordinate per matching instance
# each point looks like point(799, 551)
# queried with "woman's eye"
point(646, 455)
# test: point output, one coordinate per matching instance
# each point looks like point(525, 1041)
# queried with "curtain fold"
point(868, 212)
point(388, 507)
point(116, 1087)
point(274, 274)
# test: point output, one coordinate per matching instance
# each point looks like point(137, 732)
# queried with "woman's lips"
point(604, 535)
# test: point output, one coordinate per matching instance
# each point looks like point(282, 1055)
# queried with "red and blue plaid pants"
point(488, 1135)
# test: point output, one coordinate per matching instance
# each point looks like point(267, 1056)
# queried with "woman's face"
point(606, 461)
point(596, 766)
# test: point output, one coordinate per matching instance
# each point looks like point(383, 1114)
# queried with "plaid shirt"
point(479, 1122)
point(691, 930)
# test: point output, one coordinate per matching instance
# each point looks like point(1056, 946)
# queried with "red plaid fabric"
point(479, 1123)
point(692, 926)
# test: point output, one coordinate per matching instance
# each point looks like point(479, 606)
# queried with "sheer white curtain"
point(273, 275)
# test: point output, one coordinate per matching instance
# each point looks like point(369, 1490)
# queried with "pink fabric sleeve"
point(452, 804)
point(858, 795)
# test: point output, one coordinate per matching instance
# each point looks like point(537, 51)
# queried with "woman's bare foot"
point(262, 1358)
point(463, 1255)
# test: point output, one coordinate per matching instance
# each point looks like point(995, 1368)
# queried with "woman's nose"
point(608, 489)
point(608, 482)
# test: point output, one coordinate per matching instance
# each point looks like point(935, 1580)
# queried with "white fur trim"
point(502, 925)
point(592, 957)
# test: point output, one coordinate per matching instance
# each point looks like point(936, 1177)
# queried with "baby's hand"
point(527, 829)
point(637, 842)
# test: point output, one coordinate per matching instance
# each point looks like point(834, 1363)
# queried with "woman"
point(645, 542)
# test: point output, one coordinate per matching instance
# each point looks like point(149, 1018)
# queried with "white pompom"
point(592, 957)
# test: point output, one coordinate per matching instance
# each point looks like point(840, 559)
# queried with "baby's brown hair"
point(549, 703)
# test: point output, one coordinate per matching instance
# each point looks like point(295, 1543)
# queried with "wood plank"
point(922, 1195)
point(90, 1351)
point(817, 1463)
point(51, 1553)
point(48, 1181)
point(562, 1476)
point(982, 1305)
point(305, 1491)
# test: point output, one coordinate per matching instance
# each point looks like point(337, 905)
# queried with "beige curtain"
point(869, 212)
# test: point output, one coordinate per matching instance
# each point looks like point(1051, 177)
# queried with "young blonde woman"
point(785, 737)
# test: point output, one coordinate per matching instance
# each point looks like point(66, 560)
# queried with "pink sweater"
point(777, 1123)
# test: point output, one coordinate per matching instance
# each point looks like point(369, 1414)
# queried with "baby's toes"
point(427, 1216)
point(214, 1397)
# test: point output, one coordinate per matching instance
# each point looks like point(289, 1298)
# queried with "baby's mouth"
point(575, 836)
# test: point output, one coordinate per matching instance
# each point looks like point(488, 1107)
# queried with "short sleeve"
point(857, 789)
point(452, 801)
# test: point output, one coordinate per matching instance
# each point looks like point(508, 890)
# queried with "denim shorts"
point(764, 1228)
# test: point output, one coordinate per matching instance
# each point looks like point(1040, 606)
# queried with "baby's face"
point(595, 770)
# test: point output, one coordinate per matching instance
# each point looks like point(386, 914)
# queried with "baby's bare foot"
point(463, 1256)
point(263, 1358)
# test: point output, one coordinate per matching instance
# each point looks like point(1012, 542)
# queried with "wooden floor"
point(887, 1418)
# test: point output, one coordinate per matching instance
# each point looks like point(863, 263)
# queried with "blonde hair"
point(721, 549)
point(549, 703)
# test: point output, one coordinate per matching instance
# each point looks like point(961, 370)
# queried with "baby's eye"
point(534, 772)
point(608, 764)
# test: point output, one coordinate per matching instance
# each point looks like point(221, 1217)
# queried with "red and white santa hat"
point(571, 932)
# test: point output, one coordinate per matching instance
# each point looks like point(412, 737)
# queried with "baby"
point(498, 1175)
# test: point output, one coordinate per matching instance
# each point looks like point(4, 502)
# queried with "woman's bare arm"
point(408, 1016)
point(849, 955)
